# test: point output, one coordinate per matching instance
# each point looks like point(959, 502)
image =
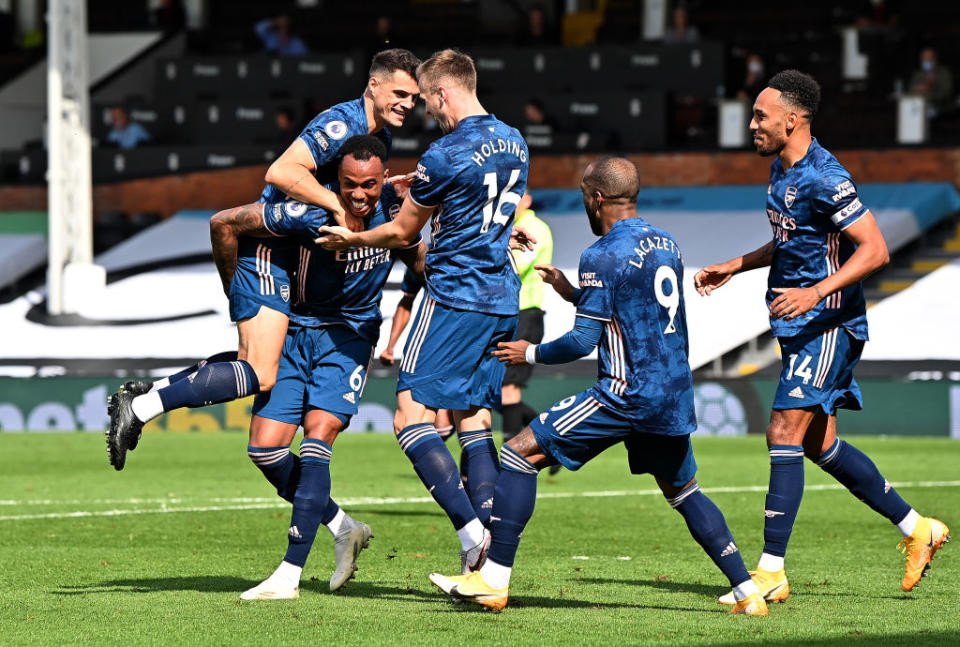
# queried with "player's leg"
point(277, 415)
point(923, 536)
point(141, 386)
point(573, 431)
point(255, 370)
point(337, 376)
point(484, 387)
point(311, 498)
point(414, 427)
point(479, 463)
point(513, 504)
point(439, 359)
point(670, 459)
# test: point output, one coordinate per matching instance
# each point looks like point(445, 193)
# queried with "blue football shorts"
point(321, 368)
point(263, 277)
point(447, 362)
point(818, 370)
point(578, 428)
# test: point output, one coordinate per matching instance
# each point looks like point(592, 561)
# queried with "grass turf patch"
point(158, 553)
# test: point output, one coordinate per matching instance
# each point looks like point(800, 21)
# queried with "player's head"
point(393, 85)
point(444, 75)
point(787, 105)
point(363, 159)
point(609, 182)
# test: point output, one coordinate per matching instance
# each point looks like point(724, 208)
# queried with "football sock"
point(334, 518)
point(497, 576)
point(709, 529)
point(513, 501)
point(436, 468)
point(310, 501)
point(783, 497)
point(471, 534)
point(482, 468)
point(339, 521)
point(228, 356)
point(909, 523)
point(280, 466)
point(858, 474)
point(512, 420)
point(770, 563)
point(744, 589)
point(287, 574)
point(214, 383)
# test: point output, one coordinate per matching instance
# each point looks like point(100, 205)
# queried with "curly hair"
point(363, 148)
point(798, 89)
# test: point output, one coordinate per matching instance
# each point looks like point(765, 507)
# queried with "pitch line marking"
point(261, 503)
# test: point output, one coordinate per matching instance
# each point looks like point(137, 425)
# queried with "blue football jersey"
point(631, 279)
point(345, 286)
point(475, 175)
point(324, 135)
point(809, 206)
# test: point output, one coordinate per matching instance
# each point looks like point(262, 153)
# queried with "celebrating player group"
point(304, 270)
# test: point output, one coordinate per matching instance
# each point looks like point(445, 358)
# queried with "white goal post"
point(71, 274)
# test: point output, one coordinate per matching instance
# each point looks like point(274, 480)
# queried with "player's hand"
point(710, 278)
point(512, 353)
point(557, 279)
point(386, 357)
point(401, 183)
point(334, 238)
point(793, 302)
point(521, 240)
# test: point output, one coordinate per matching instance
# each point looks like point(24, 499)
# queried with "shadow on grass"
point(359, 511)
point(200, 583)
point(666, 585)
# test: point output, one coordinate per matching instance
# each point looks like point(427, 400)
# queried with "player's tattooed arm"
point(225, 229)
point(712, 277)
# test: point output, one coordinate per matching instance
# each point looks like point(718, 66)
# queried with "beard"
point(595, 225)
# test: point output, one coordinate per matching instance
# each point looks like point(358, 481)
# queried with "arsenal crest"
point(789, 196)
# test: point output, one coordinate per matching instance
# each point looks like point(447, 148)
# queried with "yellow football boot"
point(773, 587)
point(752, 605)
point(472, 588)
point(920, 547)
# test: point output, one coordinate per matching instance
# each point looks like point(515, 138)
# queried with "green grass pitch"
point(158, 554)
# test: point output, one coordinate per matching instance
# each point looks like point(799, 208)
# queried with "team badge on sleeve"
point(336, 129)
point(294, 209)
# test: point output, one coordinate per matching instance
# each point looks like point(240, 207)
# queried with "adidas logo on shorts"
point(796, 393)
point(350, 397)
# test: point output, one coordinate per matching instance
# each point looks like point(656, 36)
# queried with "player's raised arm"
point(292, 173)
point(712, 277)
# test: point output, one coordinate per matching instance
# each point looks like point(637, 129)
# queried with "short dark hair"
point(392, 60)
point(363, 148)
point(450, 64)
point(798, 89)
point(615, 178)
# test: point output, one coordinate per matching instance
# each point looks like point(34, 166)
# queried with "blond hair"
point(448, 64)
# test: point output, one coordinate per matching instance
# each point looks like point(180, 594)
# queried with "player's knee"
point(266, 377)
